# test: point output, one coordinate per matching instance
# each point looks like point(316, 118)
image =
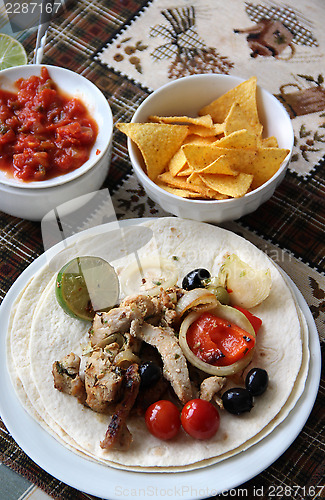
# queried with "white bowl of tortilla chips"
point(210, 147)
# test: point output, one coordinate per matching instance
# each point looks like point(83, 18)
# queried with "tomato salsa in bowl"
point(43, 132)
point(56, 130)
point(54, 126)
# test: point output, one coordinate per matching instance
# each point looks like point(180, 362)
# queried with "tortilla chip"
point(213, 131)
point(195, 179)
point(180, 183)
point(269, 142)
point(158, 142)
point(196, 139)
point(240, 139)
point(219, 166)
point(234, 186)
point(199, 156)
point(238, 119)
point(203, 121)
point(230, 162)
point(244, 94)
point(177, 162)
point(185, 172)
point(184, 193)
point(266, 163)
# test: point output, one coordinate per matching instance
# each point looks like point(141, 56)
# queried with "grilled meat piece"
point(118, 436)
point(150, 308)
point(174, 362)
point(210, 387)
point(103, 381)
point(66, 377)
point(117, 320)
point(131, 314)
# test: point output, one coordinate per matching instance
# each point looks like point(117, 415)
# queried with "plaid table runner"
point(128, 48)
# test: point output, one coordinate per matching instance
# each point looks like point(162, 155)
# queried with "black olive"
point(195, 279)
point(257, 381)
point(237, 400)
point(150, 373)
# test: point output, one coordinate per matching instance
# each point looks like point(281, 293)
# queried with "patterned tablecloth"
point(129, 48)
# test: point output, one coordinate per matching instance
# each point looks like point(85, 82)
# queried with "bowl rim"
point(91, 162)
point(205, 203)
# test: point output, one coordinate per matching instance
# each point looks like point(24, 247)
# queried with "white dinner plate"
point(110, 483)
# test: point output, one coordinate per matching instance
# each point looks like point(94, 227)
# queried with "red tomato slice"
point(163, 419)
point(200, 419)
point(254, 320)
point(217, 341)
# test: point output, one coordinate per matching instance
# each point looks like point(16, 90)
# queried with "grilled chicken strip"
point(118, 436)
point(174, 362)
point(130, 315)
point(66, 377)
point(210, 388)
point(103, 381)
point(117, 320)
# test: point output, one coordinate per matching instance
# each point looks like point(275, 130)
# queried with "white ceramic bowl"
point(33, 200)
point(186, 96)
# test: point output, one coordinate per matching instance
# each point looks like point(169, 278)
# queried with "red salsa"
point(43, 133)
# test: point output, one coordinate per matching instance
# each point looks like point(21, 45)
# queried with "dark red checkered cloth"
point(292, 221)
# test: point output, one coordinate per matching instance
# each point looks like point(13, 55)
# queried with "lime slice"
point(86, 285)
point(12, 53)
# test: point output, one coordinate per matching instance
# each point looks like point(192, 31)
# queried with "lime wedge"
point(12, 53)
point(86, 285)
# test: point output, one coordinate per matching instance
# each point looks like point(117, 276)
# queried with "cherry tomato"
point(163, 419)
point(200, 419)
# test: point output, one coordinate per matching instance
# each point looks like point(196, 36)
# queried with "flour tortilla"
point(42, 333)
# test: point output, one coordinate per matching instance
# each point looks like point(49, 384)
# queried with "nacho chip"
point(177, 162)
point(233, 186)
point(266, 163)
point(199, 156)
point(238, 119)
point(204, 131)
point(269, 142)
point(230, 162)
point(195, 179)
point(185, 172)
point(219, 166)
point(196, 139)
point(180, 183)
point(184, 193)
point(203, 121)
point(240, 139)
point(158, 142)
point(244, 94)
